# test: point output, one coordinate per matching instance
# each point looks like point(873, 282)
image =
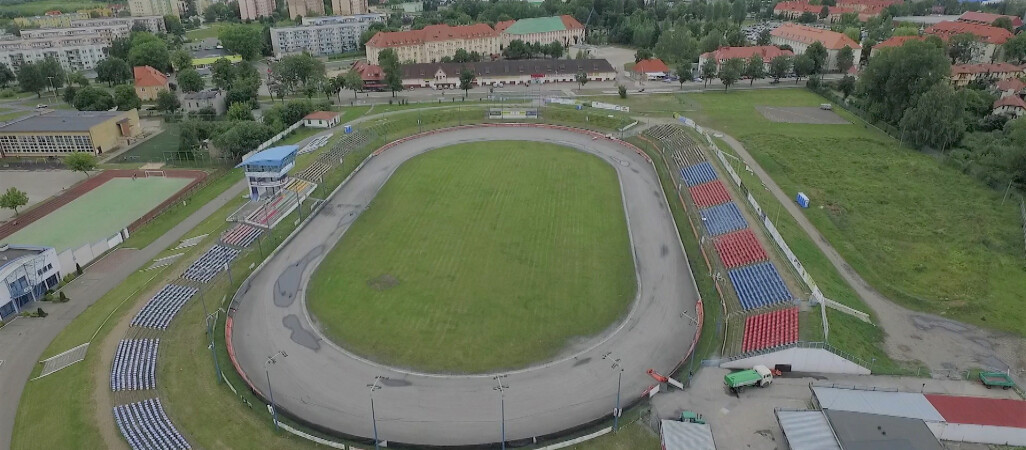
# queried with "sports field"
point(480, 257)
point(920, 232)
point(100, 213)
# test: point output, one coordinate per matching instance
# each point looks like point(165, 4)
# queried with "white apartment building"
point(73, 52)
point(154, 8)
point(323, 35)
point(153, 24)
point(109, 33)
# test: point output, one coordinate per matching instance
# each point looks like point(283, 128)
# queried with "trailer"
point(992, 379)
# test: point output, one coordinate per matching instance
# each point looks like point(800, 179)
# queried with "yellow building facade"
point(61, 132)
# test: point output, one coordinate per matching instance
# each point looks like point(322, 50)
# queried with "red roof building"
point(1010, 85)
point(371, 74)
point(149, 82)
point(435, 42)
point(896, 41)
point(982, 18)
point(722, 54)
point(651, 66)
point(322, 119)
point(963, 74)
point(986, 33)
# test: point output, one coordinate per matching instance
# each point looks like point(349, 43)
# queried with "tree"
point(150, 53)
point(173, 25)
point(779, 67)
point(190, 80)
point(684, 72)
point(642, 54)
point(708, 70)
point(936, 120)
point(621, 90)
point(1015, 48)
point(893, 80)
point(582, 79)
point(354, 81)
point(711, 42)
point(30, 78)
point(466, 80)
point(77, 78)
point(818, 54)
point(845, 59)
point(854, 33)
point(962, 48)
point(755, 68)
point(243, 137)
point(807, 17)
point(461, 56)
point(120, 47)
point(13, 198)
point(52, 72)
point(243, 40)
point(6, 76)
point(93, 98)
point(390, 65)
point(554, 49)
point(677, 45)
point(80, 162)
point(222, 73)
point(113, 71)
point(188, 136)
point(125, 98)
point(803, 66)
point(240, 111)
point(738, 11)
point(69, 95)
point(846, 85)
point(180, 59)
point(824, 12)
point(764, 37)
point(167, 101)
point(1004, 22)
point(731, 71)
point(298, 70)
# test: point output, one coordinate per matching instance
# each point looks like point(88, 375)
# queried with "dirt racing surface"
point(801, 114)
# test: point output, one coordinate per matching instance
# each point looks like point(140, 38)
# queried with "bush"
point(78, 269)
point(40, 312)
point(48, 296)
point(622, 90)
point(8, 93)
point(62, 297)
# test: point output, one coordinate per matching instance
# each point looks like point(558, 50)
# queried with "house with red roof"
point(434, 42)
point(1010, 86)
point(371, 74)
point(322, 119)
point(149, 82)
point(800, 37)
point(1012, 105)
point(963, 74)
point(652, 69)
point(982, 18)
point(991, 38)
point(722, 54)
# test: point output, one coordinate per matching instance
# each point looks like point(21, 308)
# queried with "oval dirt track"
point(322, 383)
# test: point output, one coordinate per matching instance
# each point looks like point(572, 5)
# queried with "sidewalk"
point(25, 339)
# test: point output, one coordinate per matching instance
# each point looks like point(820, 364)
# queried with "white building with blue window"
point(267, 170)
point(26, 272)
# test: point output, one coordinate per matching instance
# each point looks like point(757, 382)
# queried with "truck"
point(691, 417)
point(760, 376)
point(992, 379)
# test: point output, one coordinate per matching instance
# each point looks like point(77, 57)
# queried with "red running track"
point(709, 194)
point(771, 329)
point(739, 248)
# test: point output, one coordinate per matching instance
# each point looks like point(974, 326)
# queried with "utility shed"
point(686, 436)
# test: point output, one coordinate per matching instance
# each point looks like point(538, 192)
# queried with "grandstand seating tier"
point(739, 248)
point(772, 329)
point(759, 286)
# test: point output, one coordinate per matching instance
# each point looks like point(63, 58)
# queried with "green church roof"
point(536, 25)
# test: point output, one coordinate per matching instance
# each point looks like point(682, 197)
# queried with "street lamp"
point(374, 418)
point(271, 360)
point(502, 404)
point(619, 377)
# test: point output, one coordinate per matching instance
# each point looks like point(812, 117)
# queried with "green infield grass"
point(480, 257)
point(921, 232)
point(100, 213)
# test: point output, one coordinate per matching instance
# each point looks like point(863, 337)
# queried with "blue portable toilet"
point(579, 107)
point(802, 199)
point(349, 129)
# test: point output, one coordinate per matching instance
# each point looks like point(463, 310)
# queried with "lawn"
point(13, 115)
point(153, 149)
point(38, 8)
point(922, 233)
point(636, 436)
point(480, 257)
point(100, 213)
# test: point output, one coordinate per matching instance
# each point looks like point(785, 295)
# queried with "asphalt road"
point(322, 383)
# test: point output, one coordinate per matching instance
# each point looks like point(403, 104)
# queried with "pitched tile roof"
point(369, 72)
point(986, 33)
point(146, 76)
point(1011, 84)
point(502, 26)
point(897, 41)
point(807, 35)
point(1012, 101)
point(803, 7)
point(322, 115)
point(650, 66)
point(431, 33)
point(987, 18)
point(767, 52)
point(985, 68)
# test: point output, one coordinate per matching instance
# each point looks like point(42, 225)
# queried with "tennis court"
point(100, 213)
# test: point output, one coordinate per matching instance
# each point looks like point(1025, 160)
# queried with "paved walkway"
point(942, 344)
point(25, 339)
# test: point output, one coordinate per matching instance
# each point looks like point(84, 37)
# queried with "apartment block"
point(323, 35)
point(349, 7)
point(253, 9)
point(304, 8)
point(153, 24)
point(74, 53)
point(154, 8)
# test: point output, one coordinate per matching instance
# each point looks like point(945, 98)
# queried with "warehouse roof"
point(861, 431)
point(889, 403)
point(61, 121)
point(807, 430)
point(686, 436)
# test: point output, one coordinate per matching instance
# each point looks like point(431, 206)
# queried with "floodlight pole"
point(619, 378)
point(502, 405)
point(271, 360)
point(374, 418)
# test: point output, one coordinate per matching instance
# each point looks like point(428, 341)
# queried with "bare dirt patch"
point(382, 282)
point(800, 114)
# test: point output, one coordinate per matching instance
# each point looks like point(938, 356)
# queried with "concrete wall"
point(814, 360)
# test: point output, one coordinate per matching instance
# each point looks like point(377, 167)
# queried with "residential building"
point(895, 41)
point(304, 8)
point(26, 272)
point(435, 42)
point(932, 19)
point(74, 53)
point(372, 75)
point(254, 9)
point(963, 74)
point(503, 72)
point(991, 38)
point(982, 18)
point(564, 29)
point(154, 8)
point(322, 119)
point(349, 7)
point(212, 98)
point(652, 69)
point(49, 20)
point(323, 35)
point(721, 55)
point(153, 24)
point(109, 33)
point(149, 82)
point(1010, 86)
point(60, 132)
point(864, 9)
point(799, 37)
point(1012, 105)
